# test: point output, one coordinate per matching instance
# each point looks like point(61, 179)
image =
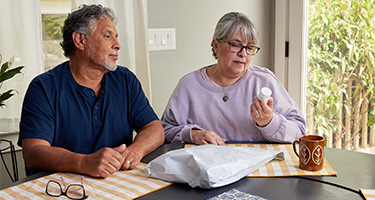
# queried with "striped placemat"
point(286, 167)
point(369, 194)
point(124, 184)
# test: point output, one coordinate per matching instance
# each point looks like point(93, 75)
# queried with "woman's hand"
point(206, 137)
point(261, 111)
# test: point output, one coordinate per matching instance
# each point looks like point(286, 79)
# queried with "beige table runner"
point(287, 167)
point(369, 194)
point(127, 184)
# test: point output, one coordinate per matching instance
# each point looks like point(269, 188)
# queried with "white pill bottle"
point(264, 94)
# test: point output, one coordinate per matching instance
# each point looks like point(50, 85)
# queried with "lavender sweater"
point(197, 104)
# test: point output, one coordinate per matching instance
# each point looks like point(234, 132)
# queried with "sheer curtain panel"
point(20, 36)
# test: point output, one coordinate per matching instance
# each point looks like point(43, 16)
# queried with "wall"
point(194, 21)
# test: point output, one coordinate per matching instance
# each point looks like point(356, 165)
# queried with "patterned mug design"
point(317, 155)
point(311, 152)
point(305, 154)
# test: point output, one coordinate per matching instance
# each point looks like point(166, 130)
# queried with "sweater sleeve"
point(284, 127)
point(175, 132)
point(288, 123)
point(178, 117)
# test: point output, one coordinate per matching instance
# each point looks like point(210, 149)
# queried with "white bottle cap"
point(265, 94)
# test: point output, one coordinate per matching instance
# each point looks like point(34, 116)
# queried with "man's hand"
point(206, 137)
point(131, 158)
point(40, 155)
point(104, 162)
point(148, 138)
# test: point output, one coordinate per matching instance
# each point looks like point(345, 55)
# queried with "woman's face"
point(231, 63)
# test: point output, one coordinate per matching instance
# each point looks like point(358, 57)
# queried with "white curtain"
point(132, 27)
point(20, 35)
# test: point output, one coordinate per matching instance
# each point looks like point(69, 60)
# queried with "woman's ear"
point(214, 45)
point(79, 40)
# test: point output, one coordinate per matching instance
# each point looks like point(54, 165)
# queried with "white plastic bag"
point(209, 166)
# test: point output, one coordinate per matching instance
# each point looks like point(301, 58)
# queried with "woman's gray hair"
point(81, 20)
point(230, 24)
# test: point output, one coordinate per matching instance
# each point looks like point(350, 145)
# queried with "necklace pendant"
point(225, 98)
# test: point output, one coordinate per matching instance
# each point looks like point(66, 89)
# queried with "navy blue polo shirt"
point(59, 110)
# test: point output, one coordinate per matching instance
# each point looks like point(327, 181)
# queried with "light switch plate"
point(161, 39)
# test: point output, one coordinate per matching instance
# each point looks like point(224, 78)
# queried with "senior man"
point(80, 116)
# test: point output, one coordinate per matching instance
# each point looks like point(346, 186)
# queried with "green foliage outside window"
point(341, 68)
point(53, 25)
point(53, 53)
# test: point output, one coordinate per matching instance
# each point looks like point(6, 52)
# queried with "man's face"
point(103, 45)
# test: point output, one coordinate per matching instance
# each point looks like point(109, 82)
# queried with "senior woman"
point(219, 103)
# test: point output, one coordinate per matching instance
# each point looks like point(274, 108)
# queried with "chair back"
point(5, 147)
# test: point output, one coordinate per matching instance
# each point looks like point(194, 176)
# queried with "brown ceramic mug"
point(311, 152)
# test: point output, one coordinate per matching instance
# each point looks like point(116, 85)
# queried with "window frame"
point(291, 27)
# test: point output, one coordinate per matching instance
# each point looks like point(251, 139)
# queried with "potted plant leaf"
point(6, 73)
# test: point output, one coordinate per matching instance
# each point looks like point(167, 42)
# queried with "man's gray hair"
point(81, 20)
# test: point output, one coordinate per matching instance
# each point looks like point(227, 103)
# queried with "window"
point(337, 73)
point(52, 51)
point(54, 12)
point(341, 68)
point(290, 26)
